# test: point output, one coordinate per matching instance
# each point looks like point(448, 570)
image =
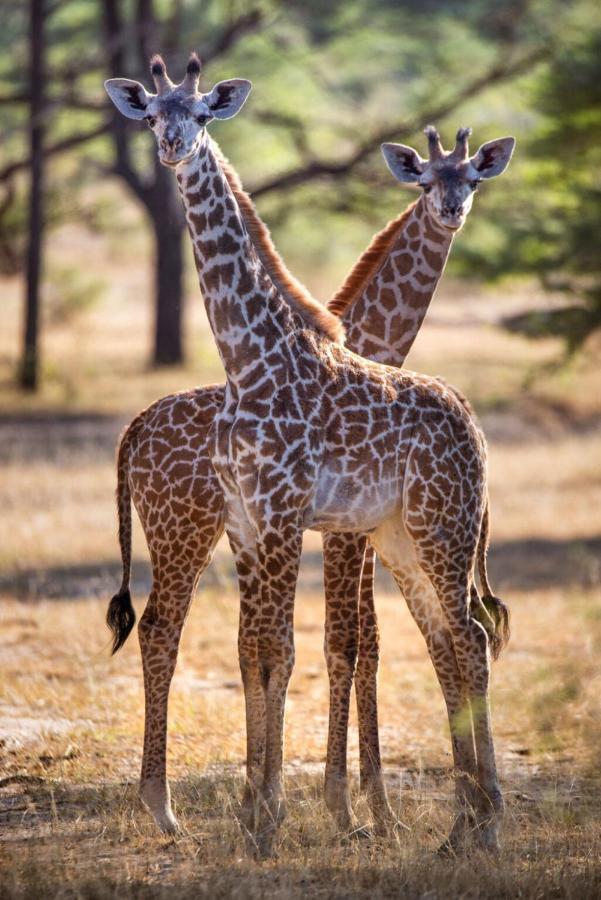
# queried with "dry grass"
point(71, 717)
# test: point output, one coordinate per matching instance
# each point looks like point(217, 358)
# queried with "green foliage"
point(330, 76)
point(549, 224)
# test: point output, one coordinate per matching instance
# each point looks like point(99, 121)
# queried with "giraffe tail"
point(489, 610)
point(121, 616)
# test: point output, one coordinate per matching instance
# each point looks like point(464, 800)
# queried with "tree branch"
point(75, 140)
point(339, 168)
point(232, 33)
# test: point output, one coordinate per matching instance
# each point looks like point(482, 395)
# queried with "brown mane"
point(317, 315)
point(367, 265)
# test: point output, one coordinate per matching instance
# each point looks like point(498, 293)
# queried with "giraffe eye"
point(202, 120)
point(426, 188)
point(151, 121)
point(474, 184)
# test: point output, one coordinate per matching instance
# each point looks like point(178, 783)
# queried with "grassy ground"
point(71, 720)
point(71, 717)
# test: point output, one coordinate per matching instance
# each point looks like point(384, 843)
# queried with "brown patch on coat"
point(368, 264)
point(317, 315)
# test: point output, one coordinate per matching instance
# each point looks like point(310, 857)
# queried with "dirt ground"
point(71, 717)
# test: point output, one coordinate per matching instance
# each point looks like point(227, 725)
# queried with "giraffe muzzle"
point(171, 145)
point(452, 217)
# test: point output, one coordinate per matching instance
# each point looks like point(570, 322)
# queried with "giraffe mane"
point(368, 264)
point(312, 311)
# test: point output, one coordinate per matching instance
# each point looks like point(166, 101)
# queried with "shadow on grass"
point(514, 565)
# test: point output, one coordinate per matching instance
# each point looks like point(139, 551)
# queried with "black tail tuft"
point(120, 618)
point(496, 622)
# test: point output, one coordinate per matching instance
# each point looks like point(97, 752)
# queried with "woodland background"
point(332, 82)
point(100, 315)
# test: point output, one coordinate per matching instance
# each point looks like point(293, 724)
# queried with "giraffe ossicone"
point(283, 444)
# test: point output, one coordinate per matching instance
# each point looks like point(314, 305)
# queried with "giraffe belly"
point(344, 503)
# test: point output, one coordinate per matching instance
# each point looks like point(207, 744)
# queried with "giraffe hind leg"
point(397, 553)
point(449, 568)
point(159, 633)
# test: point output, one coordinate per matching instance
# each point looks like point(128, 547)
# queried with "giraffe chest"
point(269, 460)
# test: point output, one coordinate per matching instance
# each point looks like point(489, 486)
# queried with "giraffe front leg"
point(244, 548)
point(279, 548)
point(343, 554)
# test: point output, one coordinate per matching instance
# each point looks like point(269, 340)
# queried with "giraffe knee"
point(276, 651)
point(340, 650)
point(473, 657)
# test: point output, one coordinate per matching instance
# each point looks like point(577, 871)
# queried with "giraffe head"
point(449, 179)
point(177, 114)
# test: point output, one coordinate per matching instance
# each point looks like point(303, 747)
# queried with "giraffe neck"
point(254, 306)
point(383, 319)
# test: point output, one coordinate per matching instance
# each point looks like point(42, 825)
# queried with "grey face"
point(449, 180)
point(177, 114)
point(178, 123)
point(449, 189)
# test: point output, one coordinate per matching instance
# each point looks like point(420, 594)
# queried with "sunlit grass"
point(79, 823)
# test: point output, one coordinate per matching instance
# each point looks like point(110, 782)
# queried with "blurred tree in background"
point(554, 228)
point(332, 81)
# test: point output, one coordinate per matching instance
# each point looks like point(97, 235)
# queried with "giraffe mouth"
point(173, 163)
point(452, 226)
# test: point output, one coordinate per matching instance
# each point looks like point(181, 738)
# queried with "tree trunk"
point(29, 369)
point(168, 223)
point(168, 347)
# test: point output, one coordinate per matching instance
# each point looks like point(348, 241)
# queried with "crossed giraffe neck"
point(252, 302)
point(386, 296)
point(382, 302)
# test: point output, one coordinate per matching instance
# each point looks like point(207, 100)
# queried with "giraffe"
point(278, 310)
point(173, 433)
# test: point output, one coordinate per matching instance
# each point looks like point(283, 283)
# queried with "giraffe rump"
point(490, 611)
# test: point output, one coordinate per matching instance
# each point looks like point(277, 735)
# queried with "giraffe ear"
point(228, 97)
point(493, 158)
point(405, 164)
point(130, 97)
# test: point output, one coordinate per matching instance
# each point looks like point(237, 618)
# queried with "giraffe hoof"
point(261, 845)
point(446, 850)
point(487, 838)
point(168, 824)
point(457, 843)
